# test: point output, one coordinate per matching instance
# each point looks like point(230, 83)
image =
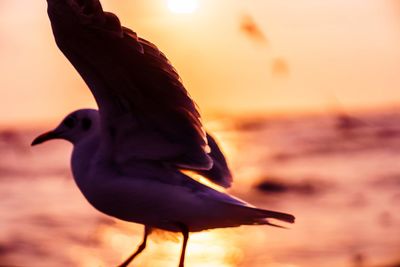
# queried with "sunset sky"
point(234, 56)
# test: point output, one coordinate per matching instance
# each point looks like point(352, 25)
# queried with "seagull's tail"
point(235, 212)
point(255, 216)
point(264, 215)
point(289, 218)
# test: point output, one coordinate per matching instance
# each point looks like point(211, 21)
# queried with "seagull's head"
point(74, 128)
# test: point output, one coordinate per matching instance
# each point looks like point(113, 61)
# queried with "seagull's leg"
point(141, 247)
point(185, 233)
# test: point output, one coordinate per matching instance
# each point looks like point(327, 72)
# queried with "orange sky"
point(316, 56)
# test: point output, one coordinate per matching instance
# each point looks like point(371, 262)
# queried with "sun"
point(183, 6)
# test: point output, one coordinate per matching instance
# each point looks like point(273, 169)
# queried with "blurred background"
point(303, 96)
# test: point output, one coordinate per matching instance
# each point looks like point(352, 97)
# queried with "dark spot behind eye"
point(69, 122)
point(86, 124)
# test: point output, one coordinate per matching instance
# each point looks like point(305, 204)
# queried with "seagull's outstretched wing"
point(146, 113)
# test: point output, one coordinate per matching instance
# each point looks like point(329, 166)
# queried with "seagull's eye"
point(69, 122)
point(86, 124)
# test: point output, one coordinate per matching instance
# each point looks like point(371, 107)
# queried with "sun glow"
point(183, 6)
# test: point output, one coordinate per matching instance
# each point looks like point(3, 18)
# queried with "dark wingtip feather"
point(289, 218)
point(266, 222)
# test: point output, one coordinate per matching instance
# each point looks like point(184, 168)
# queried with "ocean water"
point(339, 175)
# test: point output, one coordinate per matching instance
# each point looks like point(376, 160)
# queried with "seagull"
point(131, 157)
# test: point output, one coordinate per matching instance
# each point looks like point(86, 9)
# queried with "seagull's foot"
point(139, 250)
point(130, 259)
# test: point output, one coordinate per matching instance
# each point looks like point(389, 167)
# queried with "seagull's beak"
point(44, 137)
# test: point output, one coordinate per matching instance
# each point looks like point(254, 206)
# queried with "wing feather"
point(146, 112)
point(220, 173)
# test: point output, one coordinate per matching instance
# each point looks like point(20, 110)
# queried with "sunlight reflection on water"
point(349, 217)
point(218, 248)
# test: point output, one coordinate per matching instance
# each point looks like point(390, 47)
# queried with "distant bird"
point(128, 157)
point(280, 67)
point(249, 27)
